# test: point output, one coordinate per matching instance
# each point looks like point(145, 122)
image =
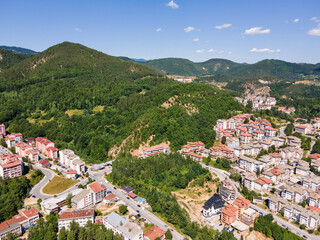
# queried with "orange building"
point(229, 214)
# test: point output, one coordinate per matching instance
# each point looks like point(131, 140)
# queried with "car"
point(166, 225)
point(304, 236)
point(138, 211)
point(109, 192)
point(171, 230)
point(138, 205)
point(128, 198)
point(138, 215)
point(114, 188)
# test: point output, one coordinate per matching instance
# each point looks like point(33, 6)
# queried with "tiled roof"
point(110, 196)
point(96, 187)
point(154, 232)
point(31, 212)
point(77, 214)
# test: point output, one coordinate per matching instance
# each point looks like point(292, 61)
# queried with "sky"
point(241, 31)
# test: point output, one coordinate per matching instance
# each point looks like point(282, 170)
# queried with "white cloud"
point(257, 30)
point(315, 31)
point(296, 20)
point(221, 51)
point(196, 39)
point(172, 4)
point(200, 51)
point(158, 30)
point(211, 50)
point(189, 29)
point(77, 29)
point(229, 52)
point(262, 50)
point(226, 25)
point(315, 19)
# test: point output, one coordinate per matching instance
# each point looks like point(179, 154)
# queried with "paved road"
point(134, 205)
point(293, 228)
point(37, 189)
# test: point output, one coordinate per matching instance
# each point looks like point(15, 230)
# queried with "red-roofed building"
point(12, 139)
point(270, 132)
point(45, 163)
point(245, 138)
point(262, 184)
point(21, 148)
point(79, 216)
point(195, 156)
point(154, 232)
point(304, 129)
point(314, 156)
point(46, 147)
point(229, 214)
point(221, 151)
point(110, 198)
point(132, 195)
point(11, 168)
point(99, 191)
point(52, 152)
point(33, 155)
point(71, 174)
point(242, 204)
point(258, 134)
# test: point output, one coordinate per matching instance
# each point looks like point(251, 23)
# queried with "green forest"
point(88, 101)
point(155, 177)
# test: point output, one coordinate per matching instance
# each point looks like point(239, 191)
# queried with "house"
point(110, 198)
point(270, 132)
point(160, 148)
point(33, 155)
point(52, 152)
point(226, 190)
point(54, 204)
point(222, 152)
point(293, 141)
point(250, 164)
point(43, 144)
point(83, 199)
point(233, 143)
point(11, 166)
point(127, 189)
point(257, 200)
point(229, 214)
point(195, 156)
point(154, 233)
point(69, 159)
point(248, 216)
point(98, 190)
point(291, 153)
point(79, 216)
point(72, 174)
point(258, 134)
point(304, 129)
point(248, 149)
point(242, 204)
point(12, 139)
point(314, 157)
point(18, 223)
point(119, 225)
point(213, 206)
point(31, 141)
point(21, 148)
point(245, 138)
point(45, 163)
point(263, 184)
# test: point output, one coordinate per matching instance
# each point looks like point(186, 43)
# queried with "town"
point(267, 169)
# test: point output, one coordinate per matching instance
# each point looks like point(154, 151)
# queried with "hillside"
point(92, 102)
point(18, 50)
point(8, 59)
point(266, 68)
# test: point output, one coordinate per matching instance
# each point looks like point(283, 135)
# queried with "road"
point(221, 174)
point(37, 189)
point(150, 217)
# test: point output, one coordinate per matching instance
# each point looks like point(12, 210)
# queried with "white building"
point(79, 216)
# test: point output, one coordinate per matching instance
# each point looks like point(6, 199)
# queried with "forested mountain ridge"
point(9, 59)
point(261, 69)
point(18, 50)
point(89, 101)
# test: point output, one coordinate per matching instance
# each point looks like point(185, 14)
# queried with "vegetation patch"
point(58, 185)
point(98, 109)
point(72, 112)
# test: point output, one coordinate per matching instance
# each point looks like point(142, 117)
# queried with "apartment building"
point(79, 216)
point(250, 164)
point(12, 139)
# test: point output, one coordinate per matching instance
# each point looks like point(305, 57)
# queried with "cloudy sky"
point(242, 31)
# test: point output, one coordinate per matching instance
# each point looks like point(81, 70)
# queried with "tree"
point(223, 140)
point(68, 200)
point(246, 121)
point(316, 147)
point(63, 234)
point(3, 142)
point(168, 234)
point(289, 129)
point(225, 163)
point(258, 172)
point(123, 209)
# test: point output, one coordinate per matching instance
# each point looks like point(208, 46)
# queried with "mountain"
point(19, 50)
point(8, 59)
point(97, 104)
point(265, 68)
point(140, 60)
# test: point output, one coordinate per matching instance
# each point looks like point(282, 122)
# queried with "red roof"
point(77, 214)
point(154, 232)
point(314, 209)
point(10, 164)
point(267, 180)
point(71, 172)
point(132, 195)
point(195, 155)
point(228, 212)
point(31, 212)
point(110, 196)
point(276, 155)
point(52, 149)
point(44, 162)
point(314, 156)
point(241, 202)
point(96, 187)
point(275, 172)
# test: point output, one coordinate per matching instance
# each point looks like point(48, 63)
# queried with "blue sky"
point(242, 31)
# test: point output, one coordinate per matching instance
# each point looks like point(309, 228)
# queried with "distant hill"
point(8, 59)
point(262, 69)
point(19, 50)
point(141, 60)
point(94, 103)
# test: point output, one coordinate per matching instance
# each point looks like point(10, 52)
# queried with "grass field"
point(98, 109)
point(71, 112)
point(58, 185)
